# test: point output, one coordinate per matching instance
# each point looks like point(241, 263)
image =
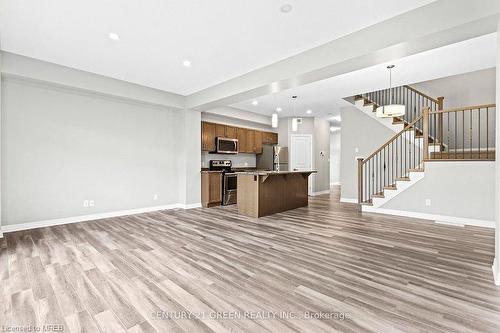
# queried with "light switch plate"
point(427, 202)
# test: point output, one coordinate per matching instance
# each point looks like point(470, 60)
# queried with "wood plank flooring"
point(211, 270)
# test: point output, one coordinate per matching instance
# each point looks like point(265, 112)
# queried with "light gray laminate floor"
point(130, 273)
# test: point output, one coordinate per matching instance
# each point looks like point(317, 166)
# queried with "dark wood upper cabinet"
point(242, 140)
point(207, 136)
point(258, 142)
point(231, 132)
point(220, 130)
point(269, 138)
point(249, 141)
point(274, 138)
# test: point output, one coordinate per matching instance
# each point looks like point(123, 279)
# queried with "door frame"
point(291, 157)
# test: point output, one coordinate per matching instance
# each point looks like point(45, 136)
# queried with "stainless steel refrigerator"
point(273, 157)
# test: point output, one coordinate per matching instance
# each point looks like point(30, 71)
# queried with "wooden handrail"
point(473, 107)
point(393, 138)
point(422, 94)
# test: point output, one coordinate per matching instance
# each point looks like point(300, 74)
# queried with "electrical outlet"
point(427, 202)
point(155, 196)
point(356, 150)
point(85, 203)
point(91, 203)
point(246, 164)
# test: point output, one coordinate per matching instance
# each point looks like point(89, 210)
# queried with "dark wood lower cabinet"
point(211, 188)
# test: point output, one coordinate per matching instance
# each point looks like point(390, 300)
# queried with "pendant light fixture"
point(274, 120)
point(274, 117)
point(391, 110)
point(295, 122)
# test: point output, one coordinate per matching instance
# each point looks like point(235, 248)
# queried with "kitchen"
point(264, 185)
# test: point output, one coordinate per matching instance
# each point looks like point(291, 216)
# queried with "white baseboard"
point(335, 183)
point(459, 221)
point(189, 206)
point(496, 274)
point(348, 200)
point(91, 217)
point(313, 194)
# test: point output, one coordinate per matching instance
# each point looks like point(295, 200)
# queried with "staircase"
point(424, 134)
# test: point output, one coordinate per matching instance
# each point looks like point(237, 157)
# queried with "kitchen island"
point(262, 193)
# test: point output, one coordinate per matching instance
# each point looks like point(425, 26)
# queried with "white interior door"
point(301, 154)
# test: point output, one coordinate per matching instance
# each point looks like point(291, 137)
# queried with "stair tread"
point(390, 188)
point(404, 179)
point(416, 170)
point(367, 203)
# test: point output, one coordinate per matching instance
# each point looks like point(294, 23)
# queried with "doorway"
point(301, 154)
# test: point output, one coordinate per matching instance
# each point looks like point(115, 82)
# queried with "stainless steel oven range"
point(229, 180)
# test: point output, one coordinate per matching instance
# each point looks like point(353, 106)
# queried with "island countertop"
point(268, 173)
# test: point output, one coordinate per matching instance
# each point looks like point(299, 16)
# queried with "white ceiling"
point(222, 38)
point(325, 97)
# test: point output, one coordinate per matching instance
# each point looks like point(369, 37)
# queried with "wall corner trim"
point(496, 274)
point(93, 217)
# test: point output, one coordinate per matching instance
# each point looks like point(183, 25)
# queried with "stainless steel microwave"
point(226, 146)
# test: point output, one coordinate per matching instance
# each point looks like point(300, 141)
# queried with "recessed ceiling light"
point(278, 109)
point(255, 103)
point(186, 63)
point(286, 8)
point(309, 111)
point(114, 36)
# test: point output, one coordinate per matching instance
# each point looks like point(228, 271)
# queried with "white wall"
point(496, 265)
point(320, 131)
point(61, 146)
point(321, 154)
point(359, 131)
point(1, 63)
point(461, 90)
point(474, 88)
point(335, 157)
point(20, 66)
point(238, 117)
point(457, 189)
point(190, 159)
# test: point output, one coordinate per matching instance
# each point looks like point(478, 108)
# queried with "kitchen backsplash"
point(239, 160)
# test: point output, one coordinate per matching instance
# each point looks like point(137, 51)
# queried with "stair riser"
point(401, 187)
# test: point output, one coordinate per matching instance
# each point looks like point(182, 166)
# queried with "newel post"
point(440, 106)
point(426, 132)
point(360, 179)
